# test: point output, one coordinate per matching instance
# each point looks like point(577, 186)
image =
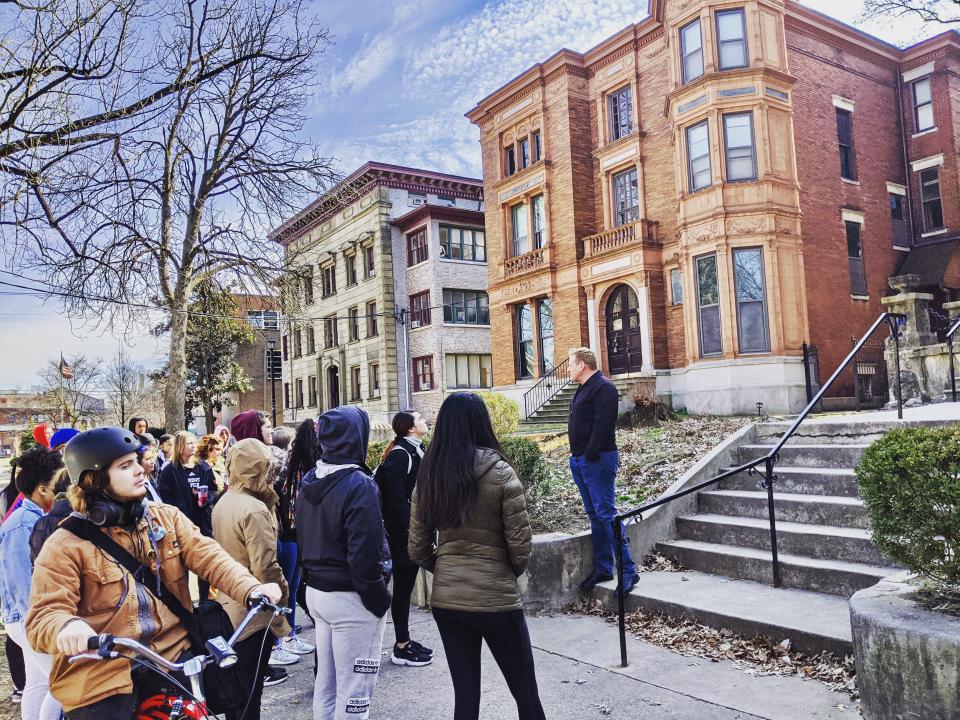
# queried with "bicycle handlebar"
point(105, 644)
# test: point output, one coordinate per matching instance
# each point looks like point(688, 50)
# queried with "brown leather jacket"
point(74, 579)
point(476, 566)
point(245, 524)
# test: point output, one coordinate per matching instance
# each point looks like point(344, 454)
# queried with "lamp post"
point(273, 383)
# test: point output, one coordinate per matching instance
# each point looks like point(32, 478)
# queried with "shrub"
point(27, 441)
point(527, 459)
point(644, 413)
point(504, 413)
point(910, 481)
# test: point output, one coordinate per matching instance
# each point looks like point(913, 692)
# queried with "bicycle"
point(191, 704)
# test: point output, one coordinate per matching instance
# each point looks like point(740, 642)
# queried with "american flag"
point(65, 371)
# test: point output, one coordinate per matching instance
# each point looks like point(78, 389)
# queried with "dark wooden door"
point(333, 387)
point(623, 332)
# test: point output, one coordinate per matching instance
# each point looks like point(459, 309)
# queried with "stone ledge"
point(908, 658)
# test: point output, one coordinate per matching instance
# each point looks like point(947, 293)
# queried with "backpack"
point(379, 478)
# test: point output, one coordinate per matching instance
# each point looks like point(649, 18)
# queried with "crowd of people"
point(103, 528)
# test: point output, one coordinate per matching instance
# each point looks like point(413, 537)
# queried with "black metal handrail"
point(547, 388)
point(953, 371)
point(894, 321)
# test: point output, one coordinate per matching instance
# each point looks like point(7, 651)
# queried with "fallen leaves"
point(651, 459)
point(754, 656)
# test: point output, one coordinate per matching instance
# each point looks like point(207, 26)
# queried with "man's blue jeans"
point(595, 481)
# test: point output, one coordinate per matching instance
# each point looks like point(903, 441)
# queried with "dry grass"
point(651, 459)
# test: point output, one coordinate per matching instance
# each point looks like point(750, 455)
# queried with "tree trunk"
point(174, 395)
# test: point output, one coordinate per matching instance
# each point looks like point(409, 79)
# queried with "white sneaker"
point(297, 646)
point(279, 656)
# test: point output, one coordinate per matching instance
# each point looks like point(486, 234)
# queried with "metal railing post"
point(807, 369)
point(621, 620)
point(768, 481)
point(953, 369)
point(896, 341)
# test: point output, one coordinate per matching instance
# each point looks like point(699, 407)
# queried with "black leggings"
point(404, 578)
point(18, 672)
point(509, 641)
point(251, 667)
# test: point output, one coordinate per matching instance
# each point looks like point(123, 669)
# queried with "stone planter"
point(908, 658)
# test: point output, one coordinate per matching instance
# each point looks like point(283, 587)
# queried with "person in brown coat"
point(245, 524)
point(469, 526)
point(78, 591)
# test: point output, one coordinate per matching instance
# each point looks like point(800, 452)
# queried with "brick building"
point(710, 188)
point(376, 255)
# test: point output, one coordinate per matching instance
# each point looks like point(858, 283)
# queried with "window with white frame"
point(699, 170)
point(930, 198)
point(922, 91)
point(626, 198)
point(539, 222)
point(518, 225)
point(620, 112)
point(739, 147)
point(731, 39)
point(691, 51)
point(264, 319)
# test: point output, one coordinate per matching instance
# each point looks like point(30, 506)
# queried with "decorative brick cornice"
point(367, 177)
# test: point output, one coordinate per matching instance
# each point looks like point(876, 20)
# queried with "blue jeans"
point(287, 557)
point(595, 481)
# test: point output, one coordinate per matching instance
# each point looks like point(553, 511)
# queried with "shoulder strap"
point(86, 530)
point(409, 457)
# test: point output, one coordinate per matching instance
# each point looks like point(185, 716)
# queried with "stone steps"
point(809, 455)
point(813, 622)
point(834, 577)
point(824, 541)
point(813, 509)
point(800, 480)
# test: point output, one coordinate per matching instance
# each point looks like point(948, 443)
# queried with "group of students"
point(246, 515)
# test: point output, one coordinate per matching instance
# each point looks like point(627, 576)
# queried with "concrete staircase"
point(557, 409)
point(823, 539)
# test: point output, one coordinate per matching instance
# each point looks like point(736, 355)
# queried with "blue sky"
point(395, 86)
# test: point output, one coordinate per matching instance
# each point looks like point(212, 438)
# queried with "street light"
point(273, 383)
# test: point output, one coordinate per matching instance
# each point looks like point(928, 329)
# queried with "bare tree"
point(126, 387)
point(188, 192)
point(70, 401)
point(942, 12)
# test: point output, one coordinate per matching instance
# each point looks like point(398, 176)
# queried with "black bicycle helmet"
point(96, 449)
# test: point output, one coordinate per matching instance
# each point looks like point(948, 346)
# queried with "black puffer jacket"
point(343, 546)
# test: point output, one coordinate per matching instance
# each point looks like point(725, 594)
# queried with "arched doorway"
point(333, 387)
point(622, 317)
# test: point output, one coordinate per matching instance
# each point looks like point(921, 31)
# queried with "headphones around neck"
point(106, 512)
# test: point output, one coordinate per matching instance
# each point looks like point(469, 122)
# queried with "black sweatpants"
point(404, 578)
point(507, 637)
point(251, 667)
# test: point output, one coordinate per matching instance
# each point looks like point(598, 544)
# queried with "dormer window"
point(731, 39)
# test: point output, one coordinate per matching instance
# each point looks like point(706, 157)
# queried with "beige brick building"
point(352, 341)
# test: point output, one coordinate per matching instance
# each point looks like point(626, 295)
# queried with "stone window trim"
point(720, 43)
point(373, 381)
point(533, 238)
point(617, 102)
point(524, 152)
point(918, 73)
point(691, 160)
point(692, 65)
point(921, 101)
point(330, 332)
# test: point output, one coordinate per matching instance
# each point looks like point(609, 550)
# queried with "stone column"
point(953, 309)
point(913, 336)
point(646, 339)
point(592, 328)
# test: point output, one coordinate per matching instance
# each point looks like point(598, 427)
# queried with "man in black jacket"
point(594, 461)
point(346, 564)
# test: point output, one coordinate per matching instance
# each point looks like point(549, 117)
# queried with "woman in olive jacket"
point(469, 526)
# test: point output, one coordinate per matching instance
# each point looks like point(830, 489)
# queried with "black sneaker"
point(408, 656)
point(274, 676)
point(420, 648)
point(592, 580)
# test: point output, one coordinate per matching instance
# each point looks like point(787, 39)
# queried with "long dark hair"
point(305, 451)
point(402, 424)
point(446, 485)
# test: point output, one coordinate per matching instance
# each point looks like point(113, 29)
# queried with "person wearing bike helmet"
point(80, 591)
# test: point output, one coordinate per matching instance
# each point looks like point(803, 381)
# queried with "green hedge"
point(527, 459)
point(910, 481)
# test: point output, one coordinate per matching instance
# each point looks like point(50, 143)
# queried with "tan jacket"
point(72, 578)
point(245, 524)
point(476, 566)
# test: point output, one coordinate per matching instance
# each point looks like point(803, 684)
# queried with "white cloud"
point(368, 65)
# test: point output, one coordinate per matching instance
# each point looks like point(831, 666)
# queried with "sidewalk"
point(579, 677)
